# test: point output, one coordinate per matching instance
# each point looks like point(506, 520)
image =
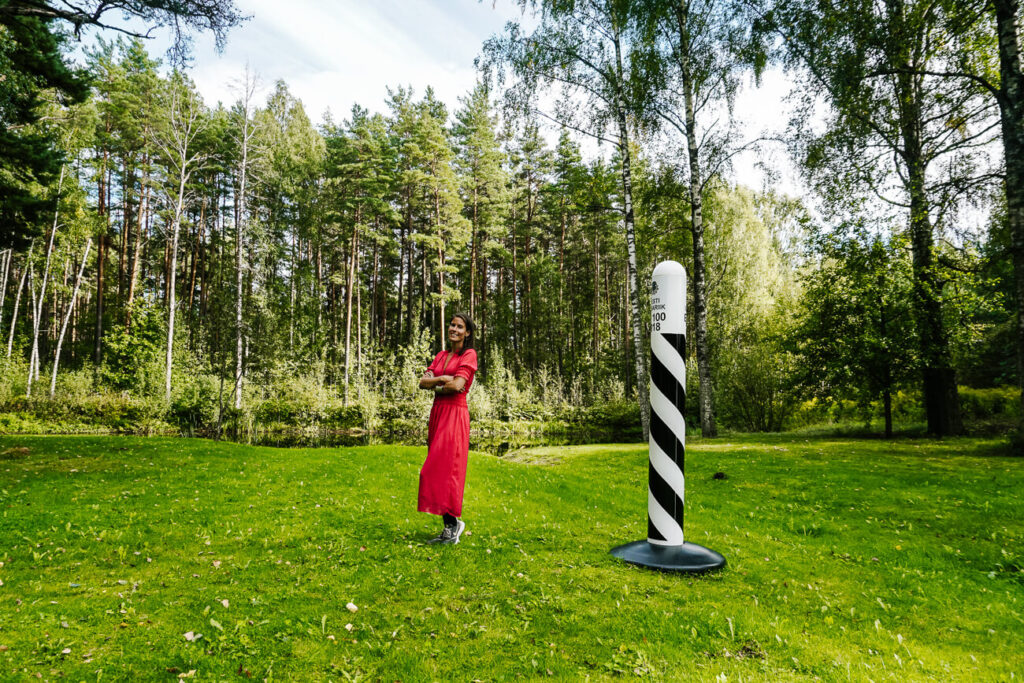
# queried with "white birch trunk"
point(248, 91)
point(33, 366)
point(351, 276)
point(67, 318)
point(185, 124)
point(35, 324)
point(17, 302)
point(240, 229)
point(634, 286)
point(9, 256)
point(172, 290)
point(359, 332)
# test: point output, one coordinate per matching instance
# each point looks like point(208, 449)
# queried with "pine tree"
point(479, 162)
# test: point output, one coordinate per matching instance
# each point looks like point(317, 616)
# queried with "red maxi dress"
point(443, 476)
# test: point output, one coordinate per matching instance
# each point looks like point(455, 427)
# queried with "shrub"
point(346, 417)
point(619, 416)
point(132, 356)
point(995, 403)
point(753, 389)
point(194, 402)
point(292, 398)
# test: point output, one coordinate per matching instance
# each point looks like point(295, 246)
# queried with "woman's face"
point(457, 332)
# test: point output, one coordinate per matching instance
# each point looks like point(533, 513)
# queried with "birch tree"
point(583, 48)
point(986, 35)
point(245, 132)
point(177, 139)
point(37, 304)
point(67, 317)
point(694, 77)
point(17, 301)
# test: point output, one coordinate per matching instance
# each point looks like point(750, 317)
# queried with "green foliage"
point(622, 417)
point(356, 239)
point(33, 69)
point(194, 402)
point(855, 333)
point(132, 359)
point(755, 385)
point(87, 414)
point(1000, 404)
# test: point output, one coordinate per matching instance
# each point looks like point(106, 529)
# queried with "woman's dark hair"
point(470, 330)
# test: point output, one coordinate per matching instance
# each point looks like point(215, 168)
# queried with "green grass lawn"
point(861, 559)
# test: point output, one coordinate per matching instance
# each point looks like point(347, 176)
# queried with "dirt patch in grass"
point(14, 453)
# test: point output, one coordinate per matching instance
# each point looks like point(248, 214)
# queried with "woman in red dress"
point(443, 476)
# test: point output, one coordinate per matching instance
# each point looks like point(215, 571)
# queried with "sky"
point(336, 53)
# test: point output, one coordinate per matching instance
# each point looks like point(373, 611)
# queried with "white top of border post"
point(669, 268)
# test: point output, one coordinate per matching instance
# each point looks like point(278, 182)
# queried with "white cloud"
point(334, 55)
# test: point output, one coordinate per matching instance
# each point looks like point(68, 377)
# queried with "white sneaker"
point(451, 534)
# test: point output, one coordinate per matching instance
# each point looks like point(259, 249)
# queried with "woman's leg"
point(450, 520)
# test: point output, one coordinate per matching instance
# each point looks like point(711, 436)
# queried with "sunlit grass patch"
point(153, 558)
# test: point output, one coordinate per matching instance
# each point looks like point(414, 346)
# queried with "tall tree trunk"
point(33, 367)
point(205, 275)
point(64, 327)
point(627, 200)
point(596, 334)
point(440, 265)
point(197, 249)
point(377, 326)
point(33, 312)
point(8, 257)
point(17, 301)
point(133, 267)
point(171, 278)
point(707, 406)
point(241, 217)
point(1011, 111)
point(102, 247)
point(6, 268)
point(291, 294)
point(561, 286)
point(239, 284)
point(400, 309)
point(349, 282)
point(515, 286)
point(332, 303)
point(424, 291)
point(102, 242)
point(472, 255)
point(481, 344)
point(442, 323)
point(319, 294)
point(409, 273)
point(128, 181)
point(359, 328)
point(942, 405)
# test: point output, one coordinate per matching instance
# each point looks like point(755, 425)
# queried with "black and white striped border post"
point(667, 442)
point(665, 547)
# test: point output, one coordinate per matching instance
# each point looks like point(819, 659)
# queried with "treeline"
point(243, 262)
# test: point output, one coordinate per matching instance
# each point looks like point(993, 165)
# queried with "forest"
point(170, 264)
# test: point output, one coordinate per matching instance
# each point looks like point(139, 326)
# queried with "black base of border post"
point(688, 558)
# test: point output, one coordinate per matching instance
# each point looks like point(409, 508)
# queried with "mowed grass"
point(851, 559)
